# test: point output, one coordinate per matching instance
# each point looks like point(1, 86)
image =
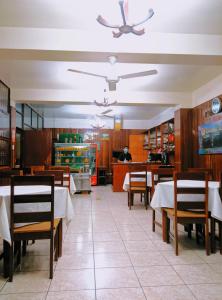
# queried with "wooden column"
point(183, 139)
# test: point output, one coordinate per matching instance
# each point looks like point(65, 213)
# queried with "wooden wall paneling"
point(37, 147)
point(183, 139)
point(202, 114)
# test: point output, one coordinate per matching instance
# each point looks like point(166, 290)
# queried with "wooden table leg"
point(6, 252)
point(60, 238)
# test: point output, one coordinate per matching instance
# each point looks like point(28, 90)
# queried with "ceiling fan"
point(105, 102)
point(113, 81)
point(105, 114)
point(125, 28)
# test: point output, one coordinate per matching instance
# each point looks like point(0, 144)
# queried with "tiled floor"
point(111, 253)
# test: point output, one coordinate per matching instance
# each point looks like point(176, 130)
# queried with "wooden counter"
point(119, 173)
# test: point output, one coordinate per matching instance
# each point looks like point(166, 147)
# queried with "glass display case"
point(80, 157)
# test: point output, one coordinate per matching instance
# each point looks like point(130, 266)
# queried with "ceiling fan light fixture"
point(112, 59)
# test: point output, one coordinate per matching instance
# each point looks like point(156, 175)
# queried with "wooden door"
point(37, 147)
point(136, 142)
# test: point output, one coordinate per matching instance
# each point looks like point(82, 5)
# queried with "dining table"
point(72, 185)
point(126, 180)
point(63, 207)
point(164, 195)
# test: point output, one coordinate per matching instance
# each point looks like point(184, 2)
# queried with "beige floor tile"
point(104, 228)
point(116, 278)
point(75, 261)
point(26, 296)
point(71, 295)
point(139, 246)
point(78, 237)
point(2, 281)
point(35, 263)
point(109, 247)
point(179, 292)
point(28, 282)
point(79, 228)
point(211, 259)
point(186, 257)
point(158, 275)
point(106, 236)
point(145, 259)
point(134, 236)
point(207, 291)
point(120, 294)
point(70, 280)
point(70, 247)
point(40, 247)
point(195, 274)
point(129, 228)
point(112, 260)
point(216, 267)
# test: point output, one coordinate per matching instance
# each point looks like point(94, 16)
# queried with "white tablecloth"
point(63, 207)
point(72, 184)
point(164, 195)
point(126, 180)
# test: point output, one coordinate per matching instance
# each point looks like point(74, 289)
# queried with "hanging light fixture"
point(98, 123)
point(125, 28)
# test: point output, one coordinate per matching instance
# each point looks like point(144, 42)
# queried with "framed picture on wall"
point(210, 138)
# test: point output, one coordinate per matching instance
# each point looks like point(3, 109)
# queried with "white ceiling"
point(81, 111)
point(183, 41)
point(175, 16)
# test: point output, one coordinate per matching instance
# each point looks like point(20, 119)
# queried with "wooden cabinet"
point(160, 138)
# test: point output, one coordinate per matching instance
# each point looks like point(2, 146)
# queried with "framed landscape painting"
point(210, 138)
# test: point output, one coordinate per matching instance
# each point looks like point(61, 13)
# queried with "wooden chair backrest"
point(36, 168)
point(200, 170)
point(66, 173)
point(202, 190)
point(57, 174)
point(135, 179)
point(5, 176)
point(161, 175)
point(23, 217)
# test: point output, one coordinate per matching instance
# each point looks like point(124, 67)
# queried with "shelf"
point(72, 150)
point(72, 156)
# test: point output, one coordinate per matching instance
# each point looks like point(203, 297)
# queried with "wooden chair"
point(159, 175)
point(213, 224)
point(43, 226)
point(36, 168)
point(66, 173)
point(138, 184)
point(58, 175)
point(5, 176)
point(188, 212)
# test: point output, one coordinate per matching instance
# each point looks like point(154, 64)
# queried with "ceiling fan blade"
point(86, 73)
point(112, 85)
point(111, 117)
point(97, 103)
point(149, 16)
point(140, 74)
point(106, 111)
point(121, 3)
point(103, 22)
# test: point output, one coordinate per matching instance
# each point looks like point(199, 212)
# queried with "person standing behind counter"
point(125, 156)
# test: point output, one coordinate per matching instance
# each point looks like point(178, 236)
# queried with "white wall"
point(127, 124)
point(208, 91)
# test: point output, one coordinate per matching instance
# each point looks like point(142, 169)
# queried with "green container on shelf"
point(70, 138)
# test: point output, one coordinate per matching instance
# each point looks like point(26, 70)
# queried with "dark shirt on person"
point(125, 156)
